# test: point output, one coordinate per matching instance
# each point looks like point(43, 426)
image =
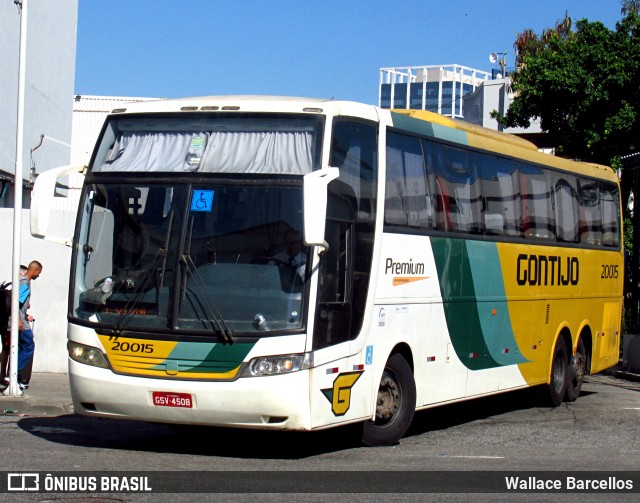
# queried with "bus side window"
point(566, 209)
point(354, 150)
point(333, 267)
point(445, 206)
point(444, 203)
point(407, 198)
point(537, 205)
point(589, 212)
point(459, 191)
point(333, 315)
point(610, 217)
point(501, 195)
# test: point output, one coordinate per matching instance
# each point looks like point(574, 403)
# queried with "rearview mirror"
point(43, 207)
point(315, 205)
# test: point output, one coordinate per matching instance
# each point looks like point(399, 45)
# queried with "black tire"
point(558, 380)
point(575, 373)
point(396, 404)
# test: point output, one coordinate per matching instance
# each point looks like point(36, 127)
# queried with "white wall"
point(49, 72)
point(49, 292)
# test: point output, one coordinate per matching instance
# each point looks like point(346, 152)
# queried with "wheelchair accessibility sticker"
point(202, 200)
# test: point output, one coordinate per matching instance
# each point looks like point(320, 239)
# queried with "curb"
point(621, 371)
point(27, 406)
point(622, 374)
point(48, 395)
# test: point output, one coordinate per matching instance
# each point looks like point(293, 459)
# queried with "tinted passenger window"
point(566, 208)
point(458, 191)
point(407, 198)
point(501, 194)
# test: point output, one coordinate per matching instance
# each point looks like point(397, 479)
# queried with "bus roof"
point(226, 103)
point(418, 121)
point(467, 126)
point(464, 133)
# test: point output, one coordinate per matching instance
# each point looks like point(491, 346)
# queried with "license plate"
point(166, 399)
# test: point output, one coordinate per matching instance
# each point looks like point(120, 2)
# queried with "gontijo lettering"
point(537, 270)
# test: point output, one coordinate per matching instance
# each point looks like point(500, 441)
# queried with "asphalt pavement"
point(49, 394)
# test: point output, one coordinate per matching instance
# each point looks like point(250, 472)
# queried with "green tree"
point(630, 6)
point(583, 85)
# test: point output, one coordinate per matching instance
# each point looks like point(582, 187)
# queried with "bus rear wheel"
point(576, 371)
point(558, 381)
point(395, 404)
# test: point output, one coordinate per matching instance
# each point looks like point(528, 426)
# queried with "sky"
point(321, 48)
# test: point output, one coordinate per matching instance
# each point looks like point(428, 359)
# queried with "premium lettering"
point(410, 267)
point(547, 270)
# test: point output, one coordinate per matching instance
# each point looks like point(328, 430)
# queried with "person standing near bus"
point(26, 343)
point(6, 335)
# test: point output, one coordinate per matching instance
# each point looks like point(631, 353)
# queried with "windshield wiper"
point(149, 275)
point(205, 297)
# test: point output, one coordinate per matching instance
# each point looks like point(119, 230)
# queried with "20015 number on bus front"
point(132, 347)
point(609, 271)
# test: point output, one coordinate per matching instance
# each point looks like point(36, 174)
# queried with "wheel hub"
point(578, 366)
point(388, 401)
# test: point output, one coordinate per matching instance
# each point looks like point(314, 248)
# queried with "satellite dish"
point(498, 76)
point(493, 57)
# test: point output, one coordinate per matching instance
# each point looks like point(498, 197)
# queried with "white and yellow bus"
point(434, 262)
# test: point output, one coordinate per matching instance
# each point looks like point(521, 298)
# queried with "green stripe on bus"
point(208, 357)
point(429, 129)
point(493, 310)
point(474, 301)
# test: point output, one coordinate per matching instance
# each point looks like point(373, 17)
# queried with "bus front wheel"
point(576, 372)
point(395, 404)
point(559, 372)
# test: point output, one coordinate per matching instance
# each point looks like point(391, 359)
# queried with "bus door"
point(332, 400)
point(341, 383)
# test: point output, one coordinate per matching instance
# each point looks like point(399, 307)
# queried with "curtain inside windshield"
point(225, 145)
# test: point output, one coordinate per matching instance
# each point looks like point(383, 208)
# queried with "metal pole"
point(13, 389)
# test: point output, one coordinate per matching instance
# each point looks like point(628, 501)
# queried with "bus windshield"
point(194, 257)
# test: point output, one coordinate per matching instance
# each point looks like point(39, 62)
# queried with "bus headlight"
point(274, 365)
point(87, 355)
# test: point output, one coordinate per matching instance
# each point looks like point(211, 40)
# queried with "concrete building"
point(497, 95)
point(437, 88)
point(89, 113)
point(50, 291)
point(493, 95)
point(455, 91)
point(50, 73)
